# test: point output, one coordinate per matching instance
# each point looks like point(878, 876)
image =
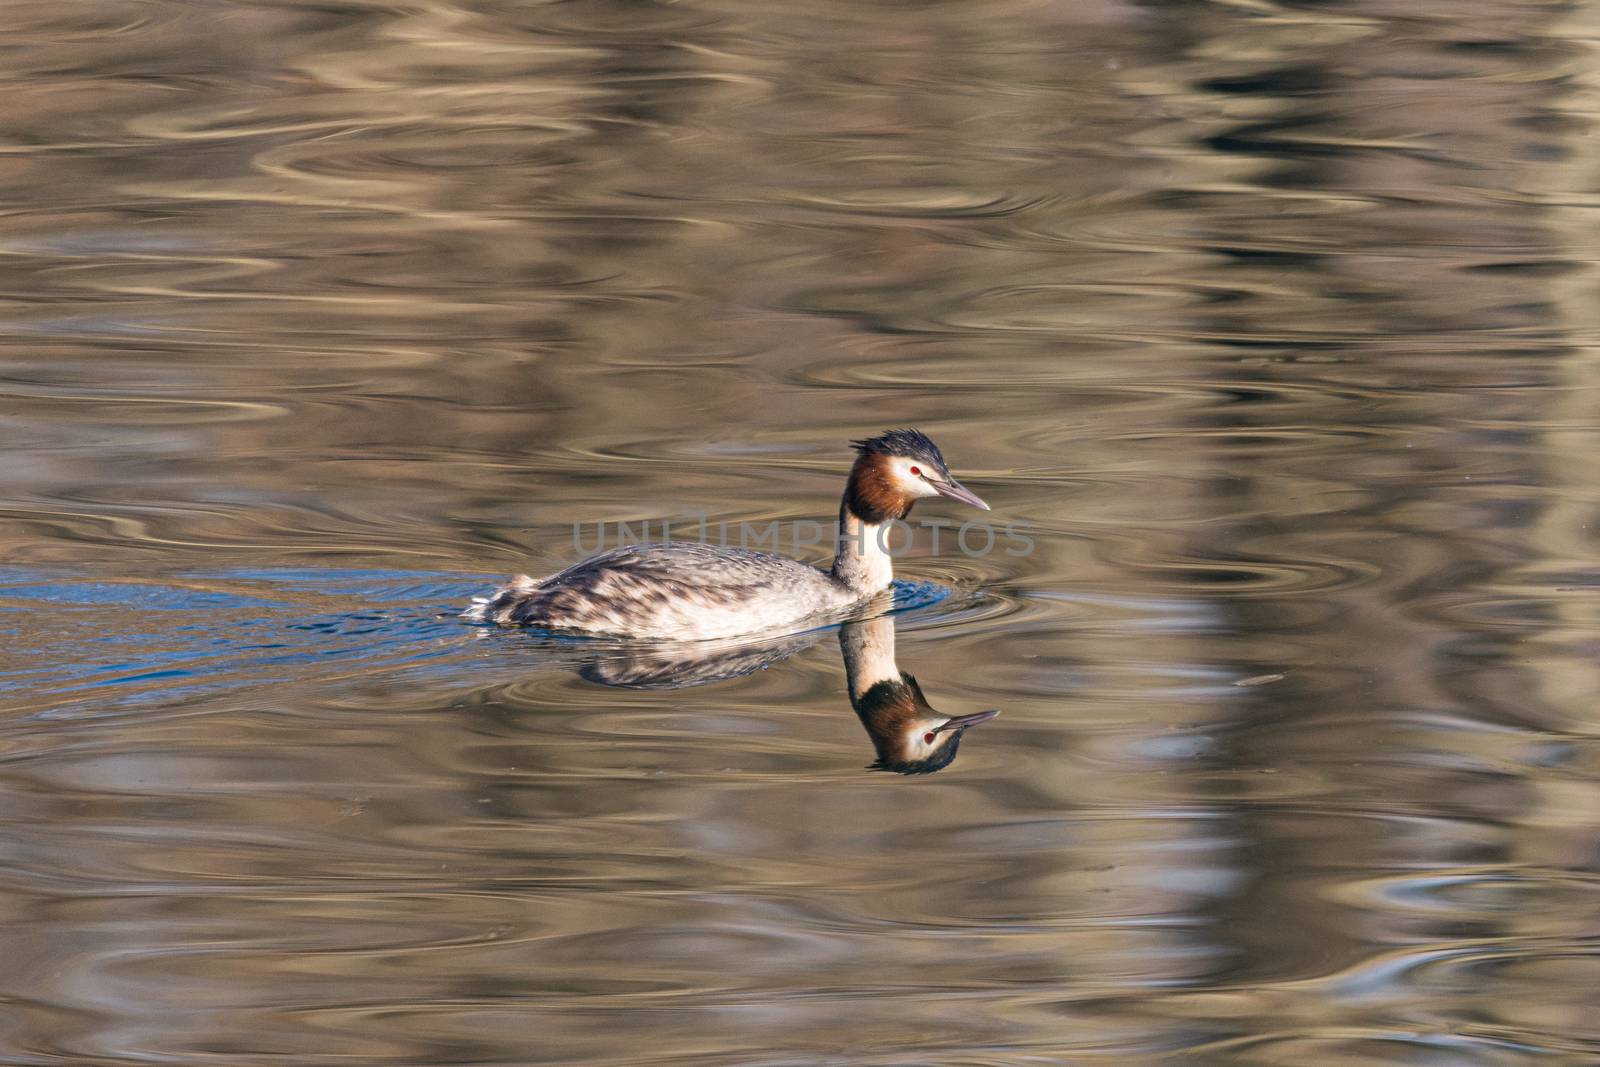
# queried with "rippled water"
point(1276, 322)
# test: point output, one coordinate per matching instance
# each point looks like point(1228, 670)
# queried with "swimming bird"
point(676, 590)
point(909, 735)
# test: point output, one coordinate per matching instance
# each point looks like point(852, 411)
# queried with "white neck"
point(869, 654)
point(863, 561)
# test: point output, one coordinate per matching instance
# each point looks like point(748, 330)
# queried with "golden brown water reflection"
point(1275, 321)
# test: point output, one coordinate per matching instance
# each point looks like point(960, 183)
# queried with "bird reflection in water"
point(908, 734)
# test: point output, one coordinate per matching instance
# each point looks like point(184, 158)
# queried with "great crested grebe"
point(681, 591)
point(909, 735)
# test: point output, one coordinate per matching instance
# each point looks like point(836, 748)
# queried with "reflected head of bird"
point(910, 736)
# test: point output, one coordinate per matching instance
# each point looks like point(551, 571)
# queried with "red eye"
point(928, 737)
point(917, 471)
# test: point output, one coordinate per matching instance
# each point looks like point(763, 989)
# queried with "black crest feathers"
point(913, 444)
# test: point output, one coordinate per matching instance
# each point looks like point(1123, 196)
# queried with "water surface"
point(1275, 322)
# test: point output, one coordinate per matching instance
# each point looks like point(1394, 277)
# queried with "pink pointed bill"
point(961, 722)
point(956, 491)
